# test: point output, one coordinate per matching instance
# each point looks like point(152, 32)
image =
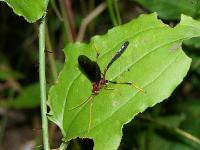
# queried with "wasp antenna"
point(90, 118)
point(117, 55)
point(137, 87)
point(128, 83)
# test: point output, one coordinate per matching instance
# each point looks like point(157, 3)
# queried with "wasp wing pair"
point(92, 70)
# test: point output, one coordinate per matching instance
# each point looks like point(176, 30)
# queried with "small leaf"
point(189, 107)
point(194, 42)
point(157, 133)
point(6, 72)
point(153, 60)
point(31, 10)
point(29, 98)
point(172, 9)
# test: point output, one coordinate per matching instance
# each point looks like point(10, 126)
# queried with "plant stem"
point(53, 4)
point(70, 18)
point(66, 25)
point(63, 146)
point(112, 12)
point(43, 84)
point(117, 12)
point(88, 19)
point(52, 63)
point(51, 55)
point(3, 123)
point(175, 130)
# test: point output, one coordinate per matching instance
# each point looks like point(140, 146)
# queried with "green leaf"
point(29, 98)
point(190, 107)
point(31, 10)
point(142, 134)
point(153, 60)
point(194, 42)
point(172, 9)
point(6, 72)
point(157, 136)
point(164, 141)
point(188, 122)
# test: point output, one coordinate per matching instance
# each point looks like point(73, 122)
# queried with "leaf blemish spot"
point(114, 103)
point(175, 47)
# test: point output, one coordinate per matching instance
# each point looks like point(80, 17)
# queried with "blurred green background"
point(171, 125)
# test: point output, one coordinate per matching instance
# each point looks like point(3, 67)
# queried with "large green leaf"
point(31, 10)
point(153, 60)
point(172, 9)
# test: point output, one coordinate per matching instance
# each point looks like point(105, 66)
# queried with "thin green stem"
point(175, 130)
point(55, 8)
point(3, 128)
point(63, 146)
point(117, 12)
point(112, 12)
point(187, 135)
point(197, 10)
point(52, 63)
point(70, 18)
point(66, 24)
point(51, 55)
point(67, 16)
point(43, 84)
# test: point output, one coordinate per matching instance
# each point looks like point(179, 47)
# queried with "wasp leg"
point(90, 118)
point(128, 83)
point(107, 88)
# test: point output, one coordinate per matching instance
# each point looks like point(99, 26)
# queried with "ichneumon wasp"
point(98, 79)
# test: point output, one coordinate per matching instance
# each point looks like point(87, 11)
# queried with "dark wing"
point(89, 68)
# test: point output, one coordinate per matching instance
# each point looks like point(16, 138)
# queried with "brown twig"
point(98, 10)
point(66, 21)
point(51, 55)
point(53, 4)
point(70, 18)
point(52, 127)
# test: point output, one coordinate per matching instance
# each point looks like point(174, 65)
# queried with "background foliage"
point(173, 124)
